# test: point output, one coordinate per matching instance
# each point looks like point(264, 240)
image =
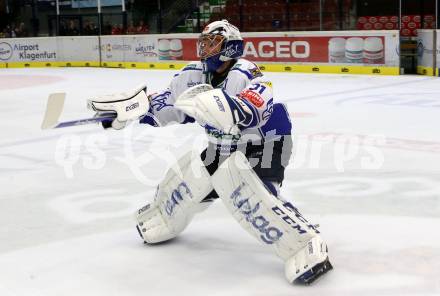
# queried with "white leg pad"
point(271, 220)
point(178, 198)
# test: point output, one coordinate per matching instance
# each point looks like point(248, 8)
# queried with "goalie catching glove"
point(127, 106)
point(214, 107)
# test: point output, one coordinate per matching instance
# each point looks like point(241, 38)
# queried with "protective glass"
point(209, 45)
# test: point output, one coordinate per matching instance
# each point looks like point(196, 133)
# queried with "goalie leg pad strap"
point(271, 220)
point(178, 198)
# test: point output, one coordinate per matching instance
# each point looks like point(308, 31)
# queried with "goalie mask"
point(219, 42)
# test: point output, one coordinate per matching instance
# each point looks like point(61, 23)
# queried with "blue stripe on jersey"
point(189, 69)
point(249, 75)
point(279, 121)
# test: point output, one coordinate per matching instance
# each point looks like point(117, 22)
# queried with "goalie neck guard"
point(219, 42)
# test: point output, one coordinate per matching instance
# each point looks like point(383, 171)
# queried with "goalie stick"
point(55, 104)
point(54, 108)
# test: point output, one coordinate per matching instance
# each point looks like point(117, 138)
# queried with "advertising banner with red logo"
point(356, 48)
point(314, 47)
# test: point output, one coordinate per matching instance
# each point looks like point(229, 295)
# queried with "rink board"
point(428, 71)
point(428, 52)
point(370, 70)
point(309, 52)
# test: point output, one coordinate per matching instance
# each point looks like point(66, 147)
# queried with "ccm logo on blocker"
point(131, 107)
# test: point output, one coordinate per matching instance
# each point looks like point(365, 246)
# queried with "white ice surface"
point(366, 168)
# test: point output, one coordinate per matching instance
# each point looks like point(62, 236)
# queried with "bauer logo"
point(5, 51)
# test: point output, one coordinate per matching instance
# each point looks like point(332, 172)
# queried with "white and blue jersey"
point(266, 121)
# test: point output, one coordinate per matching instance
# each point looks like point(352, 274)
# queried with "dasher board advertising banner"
point(28, 50)
point(355, 52)
point(136, 48)
point(74, 49)
point(345, 48)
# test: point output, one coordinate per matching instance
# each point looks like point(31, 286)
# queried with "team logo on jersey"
point(253, 97)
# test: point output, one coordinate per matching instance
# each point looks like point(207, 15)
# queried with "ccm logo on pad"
point(252, 97)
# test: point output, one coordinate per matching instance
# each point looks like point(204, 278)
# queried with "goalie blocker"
point(127, 106)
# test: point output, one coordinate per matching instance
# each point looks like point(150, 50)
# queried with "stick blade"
point(54, 108)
